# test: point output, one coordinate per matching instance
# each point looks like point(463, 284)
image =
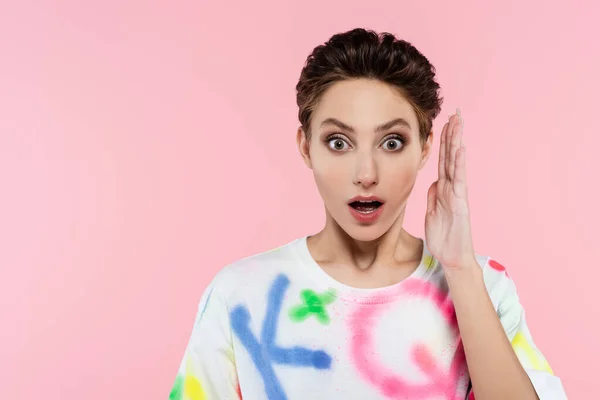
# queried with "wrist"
point(471, 273)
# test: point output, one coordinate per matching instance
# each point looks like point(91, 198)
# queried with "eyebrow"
point(383, 127)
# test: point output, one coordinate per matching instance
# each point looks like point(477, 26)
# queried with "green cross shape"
point(313, 304)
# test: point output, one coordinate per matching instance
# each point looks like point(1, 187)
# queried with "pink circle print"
point(442, 381)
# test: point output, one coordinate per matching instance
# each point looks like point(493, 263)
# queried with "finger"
point(462, 124)
point(442, 161)
point(460, 173)
point(454, 145)
point(432, 197)
point(447, 147)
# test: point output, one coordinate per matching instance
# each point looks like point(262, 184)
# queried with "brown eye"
point(392, 144)
point(337, 144)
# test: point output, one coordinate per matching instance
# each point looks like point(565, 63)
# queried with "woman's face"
point(365, 142)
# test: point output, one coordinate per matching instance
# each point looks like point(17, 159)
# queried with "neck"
point(333, 245)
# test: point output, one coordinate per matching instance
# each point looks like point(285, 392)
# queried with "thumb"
point(431, 197)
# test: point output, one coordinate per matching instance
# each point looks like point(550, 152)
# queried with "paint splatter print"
point(390, 383)
point(266, 353)
point(313, 305)
point(187, 386)
point(275, 326)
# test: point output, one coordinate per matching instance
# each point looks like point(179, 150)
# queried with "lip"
point(362, 217)
point(366, 218)
point(366, 198)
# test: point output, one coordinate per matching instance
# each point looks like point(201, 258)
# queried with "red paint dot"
point(471, 395)
point(497, 266)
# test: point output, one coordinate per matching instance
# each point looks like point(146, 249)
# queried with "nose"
point(366, 171)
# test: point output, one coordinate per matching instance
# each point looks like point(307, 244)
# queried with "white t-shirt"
point(276, 326)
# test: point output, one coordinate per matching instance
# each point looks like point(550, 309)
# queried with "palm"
point(447, 225)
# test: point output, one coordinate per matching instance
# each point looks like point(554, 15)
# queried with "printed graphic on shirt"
point(534, 358)
point(312, 342)
point(429, 262)
point(264, 351)
point(441, 381)
point(498, 267)
point(529, 356)
point(313, 305)
point(187, 386)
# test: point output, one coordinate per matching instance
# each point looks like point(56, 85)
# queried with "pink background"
point(144, 145)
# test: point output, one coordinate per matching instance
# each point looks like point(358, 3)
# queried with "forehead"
point(363, 104)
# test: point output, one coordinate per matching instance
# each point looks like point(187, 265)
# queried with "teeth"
point(366, 211)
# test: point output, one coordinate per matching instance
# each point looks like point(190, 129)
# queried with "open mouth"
point(365, 207)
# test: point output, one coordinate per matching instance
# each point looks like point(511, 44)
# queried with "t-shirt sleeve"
point(207, 370)
point(503, 294)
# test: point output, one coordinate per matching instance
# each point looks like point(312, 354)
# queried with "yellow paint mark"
point(538, 362)
point(428, 260)
point(229, 354)
point(192, 389)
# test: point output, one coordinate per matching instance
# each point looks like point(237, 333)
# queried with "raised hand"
point(447, 222)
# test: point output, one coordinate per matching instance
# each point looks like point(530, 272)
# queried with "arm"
point(207, 370)
point(498, 368)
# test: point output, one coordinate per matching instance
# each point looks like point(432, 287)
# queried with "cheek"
point(331, 174)
point(330, 177)
point(400, 177)
point(400, 185)
point(330, 171)
point(328, 168)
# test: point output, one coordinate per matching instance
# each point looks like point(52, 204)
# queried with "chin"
point(365, 233)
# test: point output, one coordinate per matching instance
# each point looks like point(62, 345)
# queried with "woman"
point(363, 309)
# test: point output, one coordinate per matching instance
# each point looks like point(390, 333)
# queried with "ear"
point(303, 146)
point(426, 152)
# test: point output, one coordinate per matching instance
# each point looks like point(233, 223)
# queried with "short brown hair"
point(362, 53)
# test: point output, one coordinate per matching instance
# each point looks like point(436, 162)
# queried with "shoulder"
point(498, 282)
point(243, 277)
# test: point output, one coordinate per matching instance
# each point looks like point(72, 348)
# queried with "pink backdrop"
point(143, 145)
